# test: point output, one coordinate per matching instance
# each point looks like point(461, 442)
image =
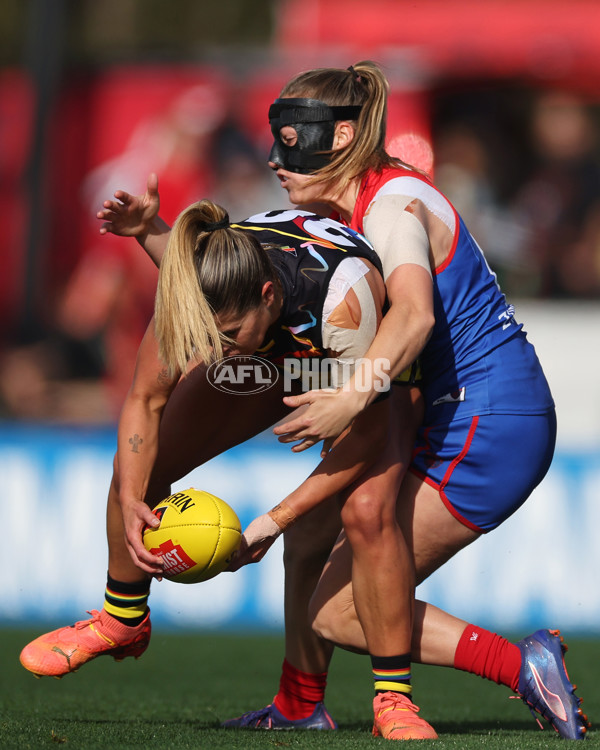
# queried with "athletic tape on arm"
point(349, 344)
point(396, 234)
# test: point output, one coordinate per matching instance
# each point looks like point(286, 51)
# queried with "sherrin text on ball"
point(197, 535)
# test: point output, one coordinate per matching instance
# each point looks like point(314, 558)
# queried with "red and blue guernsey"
point(478, 359)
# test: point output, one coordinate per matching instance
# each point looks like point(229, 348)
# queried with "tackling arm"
point(402, 243)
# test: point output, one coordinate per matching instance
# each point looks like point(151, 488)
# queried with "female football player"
point(483, 386)
point(435, 537)
point(432, 533)
point(288, 285)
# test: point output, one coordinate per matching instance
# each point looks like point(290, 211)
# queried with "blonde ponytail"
point(208, 268)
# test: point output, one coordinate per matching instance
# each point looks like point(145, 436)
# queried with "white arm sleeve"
point(396, 234)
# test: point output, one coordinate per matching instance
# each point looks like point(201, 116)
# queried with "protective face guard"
point(314, 123)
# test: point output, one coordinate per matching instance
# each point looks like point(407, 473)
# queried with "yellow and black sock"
point(127, 602)
point(392, 673)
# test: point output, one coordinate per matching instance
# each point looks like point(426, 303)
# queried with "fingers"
point(297, 429)
point(293, 430)
point(123, 197)
point(304, 445)
point(108, 224)
point(299, 400)
point(250, 555)
point(309, 397)
point(148, 518)
point(114, 207)
point(235, 561)
point(110, 214)
point(299, 433)
point(152, 184)
point(327, 446)
point(153, 563)
point(252, 548)
point(119, 216)
point(300, 426)
point(141, 556)
point(234, 564)
point(106, 213)
point(145, 560)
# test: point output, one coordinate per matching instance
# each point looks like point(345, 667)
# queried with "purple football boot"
point(270, 718)
point(545, 687)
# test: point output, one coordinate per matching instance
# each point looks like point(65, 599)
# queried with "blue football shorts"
point(485, 467)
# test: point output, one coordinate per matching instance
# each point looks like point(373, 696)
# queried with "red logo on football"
point(174, 557)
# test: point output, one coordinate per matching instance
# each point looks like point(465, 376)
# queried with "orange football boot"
point(396, 718)
point(66, 649)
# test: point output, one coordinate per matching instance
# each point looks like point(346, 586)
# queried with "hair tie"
point(223, 224)
point(354, 73)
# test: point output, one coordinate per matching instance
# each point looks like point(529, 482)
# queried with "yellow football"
point(197, 535)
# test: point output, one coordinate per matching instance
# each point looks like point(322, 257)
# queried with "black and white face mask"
point(314, 123)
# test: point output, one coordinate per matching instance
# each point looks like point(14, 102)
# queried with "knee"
point(320, 620)
point(330, 621)
point(366, 514)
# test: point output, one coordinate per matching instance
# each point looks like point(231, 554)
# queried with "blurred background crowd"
point(94, 97)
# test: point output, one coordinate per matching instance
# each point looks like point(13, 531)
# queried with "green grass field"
point(176, 695)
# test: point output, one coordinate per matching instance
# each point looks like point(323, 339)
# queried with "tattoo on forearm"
point(135, 443)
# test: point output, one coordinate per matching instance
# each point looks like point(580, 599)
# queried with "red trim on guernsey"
point(372, 182)
point(446, 263)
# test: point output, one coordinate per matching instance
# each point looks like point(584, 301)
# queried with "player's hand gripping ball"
point(197, 535)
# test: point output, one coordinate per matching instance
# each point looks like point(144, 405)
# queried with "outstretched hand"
point(328, 414)
point(131, 215)
point(256, 541)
